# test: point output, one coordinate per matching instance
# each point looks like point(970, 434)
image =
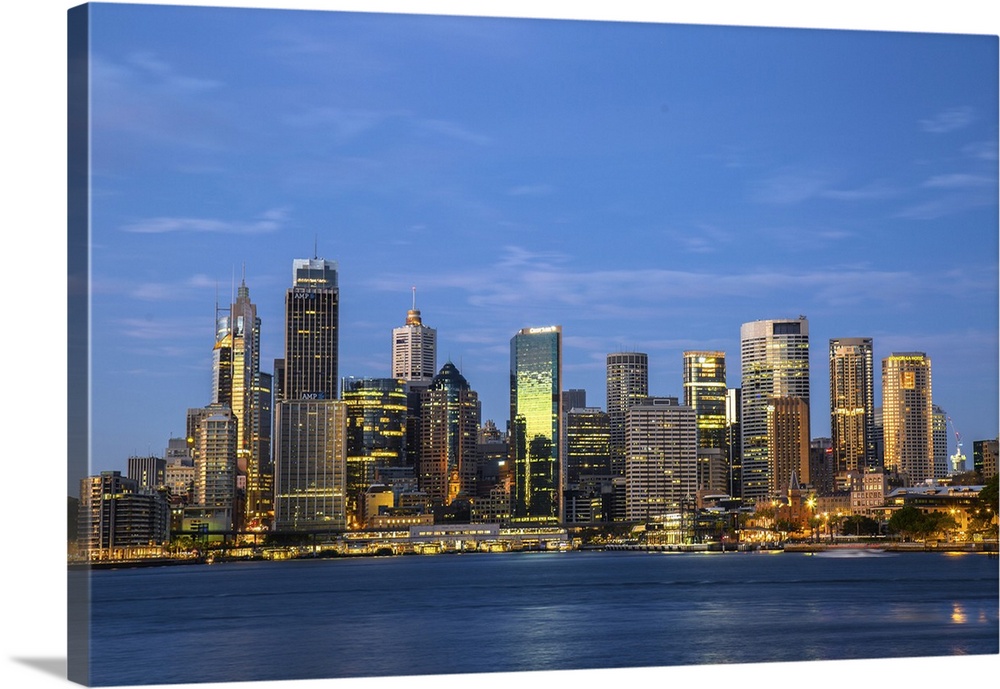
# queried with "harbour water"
point(415, 615)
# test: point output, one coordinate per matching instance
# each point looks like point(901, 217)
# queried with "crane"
point(957, 459)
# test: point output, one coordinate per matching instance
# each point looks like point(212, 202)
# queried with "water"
point(504, 612)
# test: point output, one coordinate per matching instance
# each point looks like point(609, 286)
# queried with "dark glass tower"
point(627, 384)
point(705, 392)
point(536, 424)
point(312, 308)
point(450, 454)
point(852, 407)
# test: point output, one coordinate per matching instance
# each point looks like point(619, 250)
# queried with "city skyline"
point(653, 213)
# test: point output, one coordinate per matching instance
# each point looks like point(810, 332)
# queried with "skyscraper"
point(705, 392)
point(237, 384)
point(414, 348)
point(450, 454)
point(627, 383)
point(309, 422)
point(852, 407)
point(376, 433)
point(312, 308)
point(774, 361)
point(661, 464)
point(213, 432)
point(536, 434)
point(907, 416)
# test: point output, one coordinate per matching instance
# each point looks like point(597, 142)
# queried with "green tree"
point(859, 525)
point(907, 521)
point(985, 508)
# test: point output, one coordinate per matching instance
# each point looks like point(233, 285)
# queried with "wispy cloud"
point(530, 190)
point(959, 181)
point(981, 150)
point(949, 120)
point(269, 221)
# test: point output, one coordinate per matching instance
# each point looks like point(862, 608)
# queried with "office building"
point(574, 398)
point(536, 434)
point(148, 472)
point(312, 311)
point(734, 441)
point(661, 458)
point(908, 417)
point(588, 446)
point(774, 361)
point(939, 425)
point(627, 383)
point(705, 392)
point(852, 408)
point(310, 424)
point(984, 457)
point(449, 456)
point(788, 444)
point(376, 434)
point(213, 435)
point(414, 348)
point(118, 518)
point(311, 466)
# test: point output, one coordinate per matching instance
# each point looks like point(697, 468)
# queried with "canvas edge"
point(78, 315)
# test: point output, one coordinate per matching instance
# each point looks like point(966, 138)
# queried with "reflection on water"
point(504, 612)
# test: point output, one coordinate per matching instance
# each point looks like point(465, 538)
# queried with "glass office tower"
point(536, 424)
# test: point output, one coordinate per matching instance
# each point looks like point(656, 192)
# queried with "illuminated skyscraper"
point(536, 434)
point(414, 348)
point(212, 431)
point(940, 432)
point(450, 454)
point(661, 458)
point(705, 392)
point(309, 474)
point(774, 358)
point(907, 416)
point(852, 407)
point(309, 423)
point(376, 433)
point(312, 311)
point(788, 443)
point(627, 383)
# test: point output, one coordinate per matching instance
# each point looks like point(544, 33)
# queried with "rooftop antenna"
point(414, 298)
point(316, 245)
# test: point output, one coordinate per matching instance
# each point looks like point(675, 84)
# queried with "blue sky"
point(648, 187)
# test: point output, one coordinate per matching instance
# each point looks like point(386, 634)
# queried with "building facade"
point(774, 360)
point(908, 416)
point(627, 384)
point(852, 407)
point(119, 519)
point(310, 474)
point(705, 392)
point(376, 434)
point(536, 433)
point(414, 348)
point(661, 459)
point(449, 458)
point(312, 317)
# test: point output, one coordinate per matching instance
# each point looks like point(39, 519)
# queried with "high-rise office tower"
point(310, 466)
point(414, 348)
point(118, 517)
point(260, 473)
point(574, 398)
point(907, 416)
point(788, 443)
point(536, 433)
point(774, 361)
point(705, 392)
point(661, 465)
point(852, 408)
point(450, 454)
point(627, 383)
point(237, 384)
point(940, 431)
point(588, 446)
point(310, 424)
point(376, 433)
point(213, 434)
point(734, 440)
point(312, 311)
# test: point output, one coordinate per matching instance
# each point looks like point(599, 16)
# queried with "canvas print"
point(406, 345)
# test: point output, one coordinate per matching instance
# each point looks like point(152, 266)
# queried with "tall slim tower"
point(312, 311)
point(705, 392)
point(627, 384)
point(908, 416)
point(774, 361)
point(536, 433)
point(309, 422)
point(852, 407)
point(414, 348)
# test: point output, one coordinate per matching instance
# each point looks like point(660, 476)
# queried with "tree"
point(906, 521)
point(859, 525)
point(985, 508)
